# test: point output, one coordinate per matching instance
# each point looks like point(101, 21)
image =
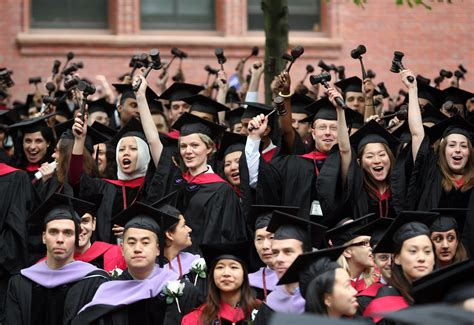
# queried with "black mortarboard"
point(7, 117)
point(63, 130)
point(321, 109)
point(354, 119)
point(260, 215)
point(253, 109)
point(350, 84)
point(452, 284)
point(299, 102)
point(455, 124)
point(60, 206)
point(372, 132)
point(239, 251)
point(375, 229)
point(449, 218)
point(232, 96)
point(456, 95)
point(189, 124)
point(143, 216)
point(231, 142)
point(127, 92)
point(204, 104)
point(234, 116)
point(100, 105)
point(435, 314)
point(132, 128)
point(304, 261)
point(310, 319)
point(103, 130)
point(432, 114)
point(180, 90)
point(31, 125)
point(342, 234)
point(432, 94)
point(287, 226)
point(407, 225)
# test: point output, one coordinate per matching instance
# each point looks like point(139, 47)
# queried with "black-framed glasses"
point(365, 243)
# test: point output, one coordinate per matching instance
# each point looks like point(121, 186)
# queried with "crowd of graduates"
point(166, 202)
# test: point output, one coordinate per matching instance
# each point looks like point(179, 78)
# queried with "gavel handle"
point(250, 128)
point(364, 73)
point(338, 100)
point(139, 81)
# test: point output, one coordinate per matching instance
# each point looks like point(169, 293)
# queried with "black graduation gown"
point(388, 299)
point(264, 315)
point(210, 205)
point(425, 191)
point(288, 181)
point(30, 303)
point(16, 204)
point(153, 311)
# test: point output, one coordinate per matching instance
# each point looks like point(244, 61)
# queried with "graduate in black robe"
point(145, 293)
point(291, 180)
point(17, 195)
point(210, 205)
point(53, 291)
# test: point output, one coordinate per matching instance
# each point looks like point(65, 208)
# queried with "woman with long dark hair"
point(408, 238)
point(229, 295)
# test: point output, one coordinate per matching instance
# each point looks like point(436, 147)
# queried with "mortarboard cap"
point(127, 92)
point(453, 125)
point(100, 105)
point(232, 96)
point(375, 229)
point(104, 130)
point(341, 234)
point(452, 284)
point(456, 95)
point(132, 128)
point(189, 124)
point(449, 218)
point(432, 94)
point(239, 251)
point(231, 142)
point(435, 314)
point(350, 84)
point(303, 263)
point(321, 109)
point(31, 125)
point(204, 104)
point(180, 90)
point(299, 102)
point(407, 225)
point(287, 226)
point(431, 114)
point(372, 132)
point(234, 116)
point(253, 109)
point(260, 215)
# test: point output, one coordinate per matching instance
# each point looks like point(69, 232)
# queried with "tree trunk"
point(275, 14)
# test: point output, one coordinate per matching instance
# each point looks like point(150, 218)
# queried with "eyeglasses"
point(364, 243)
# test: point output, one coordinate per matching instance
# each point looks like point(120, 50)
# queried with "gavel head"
point(143, 60)
point(56, 66)
point(370, 74)
point(309, 68)
point(70, 56)
point(34, 80)
point(71, 82)
point(333, 67)
point(221, 59)
point(133, 61)
point(254, 51)
point(320, 78)
point(397, 61)
point(459, 74)
point(449, 107)
point(79, 65)
point(70, 69)
point(210, 70)
point(86, 87)
point(287, 57)
point(383, 90)
point(297, 51)
point(155, 58)
point(324, 66)
point(462, 68)
point(402, 113)
point(50, 100)
point(341, 70)
point(445, 73)
point(438, 80)
point(358, 51)
point(50, 86)
point(178, 53)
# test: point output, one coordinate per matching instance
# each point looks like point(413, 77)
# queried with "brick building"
point(104, 34)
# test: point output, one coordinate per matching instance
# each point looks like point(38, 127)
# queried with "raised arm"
point(252, 155)
point(342, 135)
point(414, 114)
point(79, 130)
point(151, 133)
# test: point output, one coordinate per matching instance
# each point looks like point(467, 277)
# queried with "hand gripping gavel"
point(278, 105)
point(309, 69)
point(324, 78)
point(253, 53)
point(357, 54)
point(177, 53)
point(397, 65)
point(154, 64)
point(221, 59)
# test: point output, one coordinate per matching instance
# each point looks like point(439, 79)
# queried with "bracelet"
point(283, 95)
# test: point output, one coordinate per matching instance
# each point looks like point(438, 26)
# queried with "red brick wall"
point(431, 40)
